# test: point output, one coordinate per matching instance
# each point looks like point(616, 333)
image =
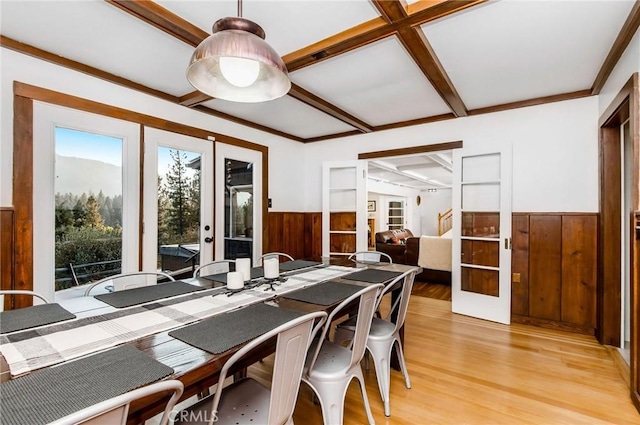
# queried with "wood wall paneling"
point(579, 270)
point(520, 265)
point(293, 227)
point(342, 221)
point(480, 281)
point(275, 232)
point(7, 224)
point(313, 236)
point(545, 274)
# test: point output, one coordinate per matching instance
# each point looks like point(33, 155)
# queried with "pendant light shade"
point(235, 63)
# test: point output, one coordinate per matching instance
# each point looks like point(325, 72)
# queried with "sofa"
point(403, 248)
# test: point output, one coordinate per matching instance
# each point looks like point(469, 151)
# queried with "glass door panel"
point(178, 202)
point(395, 215)
point(88, 206)
point(238, 206)
point(178, 217)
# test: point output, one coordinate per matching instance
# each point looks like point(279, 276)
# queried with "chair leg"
point(403, 365)
point(331, 395)
point(365, 399)
point(381, 357)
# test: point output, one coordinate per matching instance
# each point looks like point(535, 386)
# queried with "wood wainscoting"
point(7, 229)
point(554, 270)
point(295, 233)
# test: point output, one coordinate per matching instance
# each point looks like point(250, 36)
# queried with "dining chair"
point(330, 367)
point(5, 292)
point(384, 334)
point(115, 410)
point(369, 257)
point(132, 280)
point(274, 254)
point(246, 401)
point(214, 267)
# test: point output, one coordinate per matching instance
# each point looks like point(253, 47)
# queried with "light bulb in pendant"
point(239, 71)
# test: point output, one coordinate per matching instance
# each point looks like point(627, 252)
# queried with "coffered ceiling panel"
point(378, 83)
point(507, 51)
point(289, 25)
point(100, 35)
point(285, 114)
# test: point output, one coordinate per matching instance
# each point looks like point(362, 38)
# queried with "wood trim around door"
point(24, 95)
point(626, 105)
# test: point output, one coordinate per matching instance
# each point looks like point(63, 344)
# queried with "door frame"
point(23, 97)
point(625, 105)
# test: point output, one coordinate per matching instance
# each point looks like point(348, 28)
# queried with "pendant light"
point(235, 63)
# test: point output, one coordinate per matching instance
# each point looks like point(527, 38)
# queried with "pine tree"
point(177, 185)
point(93, 217)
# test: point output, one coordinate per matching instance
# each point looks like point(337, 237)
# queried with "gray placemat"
point(256, 272)
point(49, 394)
point(372, 276)
point(30, 317)
point(223, 332)
point(135, 296)
point(297, 264)
point(327, 293)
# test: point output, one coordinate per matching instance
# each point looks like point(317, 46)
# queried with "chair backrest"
point(115, 410)
point(273, 255)
point(124, 281)
point(370, 257)
point(294, 338)
point(398, 311)
point(214, 267)
point(19, 292)
point(368, 297)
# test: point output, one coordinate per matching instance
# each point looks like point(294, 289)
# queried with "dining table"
point(198, 369)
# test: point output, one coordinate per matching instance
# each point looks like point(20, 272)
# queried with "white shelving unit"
point(344, 226)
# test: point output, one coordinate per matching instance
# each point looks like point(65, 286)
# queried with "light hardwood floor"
point(469, 371)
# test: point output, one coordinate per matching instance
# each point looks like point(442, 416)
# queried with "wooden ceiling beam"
point(194, 98)
point(163, 19)
point(316, 102)
point(625, 35)
point(418, 47)
point(372, 31)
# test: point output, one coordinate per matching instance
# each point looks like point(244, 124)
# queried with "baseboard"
point(622, 365)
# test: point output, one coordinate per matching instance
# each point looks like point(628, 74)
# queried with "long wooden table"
point(196, 369)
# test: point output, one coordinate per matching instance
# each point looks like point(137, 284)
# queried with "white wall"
point(283, 189)
point(433, 203)
point(626, 66)
point(555, 156)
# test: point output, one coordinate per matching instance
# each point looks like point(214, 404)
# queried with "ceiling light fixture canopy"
point(235, 63)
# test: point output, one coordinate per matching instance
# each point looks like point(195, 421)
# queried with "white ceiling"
point(492, 53)
point(423, 171)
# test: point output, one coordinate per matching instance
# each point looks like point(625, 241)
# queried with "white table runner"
point(48, 345)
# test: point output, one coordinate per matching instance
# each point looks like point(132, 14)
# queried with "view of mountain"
point(79, 175)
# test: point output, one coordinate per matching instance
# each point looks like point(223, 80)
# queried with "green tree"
point(177, 185)
point(93, 217)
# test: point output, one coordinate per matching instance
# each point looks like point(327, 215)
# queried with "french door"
point(481, 245)
point(178, 201)
point(85, 197)
point(238, 202)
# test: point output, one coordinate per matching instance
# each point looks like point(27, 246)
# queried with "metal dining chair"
point(5, 292)
point(214, 267)
point(247, 401)
point(369, 257)
point(124, 281)
point(384, 334)
point(330, 367)
point(115, 410)
point(274, 254)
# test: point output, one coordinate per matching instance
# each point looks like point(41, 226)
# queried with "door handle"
point(208, 239)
